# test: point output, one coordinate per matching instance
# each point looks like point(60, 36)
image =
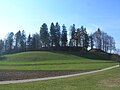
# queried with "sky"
point(29, 15)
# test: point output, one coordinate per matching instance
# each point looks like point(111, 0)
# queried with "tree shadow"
point(89, 55)
point(2, 58)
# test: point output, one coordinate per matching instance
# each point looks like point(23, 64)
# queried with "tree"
point(1, 47)
point(29, 42)
point(98, 39)
point(83, 32)
point(103, 41)
point(73, 35)
point(64, 36)
point(79, 36)
point(86, 41)
point(44, 35)
point(57, 35)
point(23, 41)
point(91, 41)
point(35, 43)
point(82, 38)
point(111, 44)
point(9, 41)
point(17, 40)
point(52, 34)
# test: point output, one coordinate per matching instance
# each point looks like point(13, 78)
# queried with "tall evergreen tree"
point(17, 40)
point(86, 40)
point(64, 36)
point(44, 35)
point(52, 34)
point(23, 41)
point(57, 35)
point(73, 35)
point(83, 32)
point(29, 42)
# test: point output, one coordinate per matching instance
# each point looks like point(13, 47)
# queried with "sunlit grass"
point(85, 82)
point(57, 67)
point(51, 61)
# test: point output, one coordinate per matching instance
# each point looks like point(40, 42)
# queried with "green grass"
point(59, 67)
point(65, 61)
point(51, 61)
point(94, 81)
point(40, 58)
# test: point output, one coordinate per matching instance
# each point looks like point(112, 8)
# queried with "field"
point(51, 61)
point(106, 80)
point(32, 64)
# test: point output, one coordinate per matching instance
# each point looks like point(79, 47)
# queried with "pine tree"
point(17, 40)
point(44, 35)
point(57, 35)
point(64, 36)
point(73, 35)
point(29, 42)
point(52, 34)
point(86, 41)
point(23, 41)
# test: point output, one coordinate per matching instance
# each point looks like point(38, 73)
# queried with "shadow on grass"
point(90, 55)
point(2, 58)
point(81, 54)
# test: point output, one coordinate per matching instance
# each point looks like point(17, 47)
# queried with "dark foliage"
point(57, 40)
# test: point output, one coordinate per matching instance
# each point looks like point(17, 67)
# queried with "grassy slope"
point(40, 57)
point(47, 57)
point(96, 81)
point(51, 61)
point(59, 67)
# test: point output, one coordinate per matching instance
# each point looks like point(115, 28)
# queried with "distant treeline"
point(57, 39)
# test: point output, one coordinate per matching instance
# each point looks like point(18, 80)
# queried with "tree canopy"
point(58, 37)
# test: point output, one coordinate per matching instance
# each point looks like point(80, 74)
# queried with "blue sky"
point(29, 15)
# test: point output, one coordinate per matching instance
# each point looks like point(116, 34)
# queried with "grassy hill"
point(106, 80)
point(55, 61)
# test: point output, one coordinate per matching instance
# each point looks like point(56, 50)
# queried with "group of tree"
point(79, 37)
point(102, 41)
point(57, 37)
point(99, 39)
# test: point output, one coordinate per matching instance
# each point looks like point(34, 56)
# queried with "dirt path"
point(56, 77)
